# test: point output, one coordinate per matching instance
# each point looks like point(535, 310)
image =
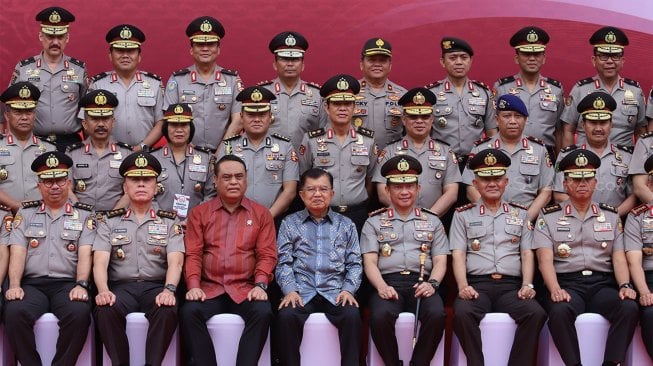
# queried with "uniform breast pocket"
point(630, 109)
point(6, 159)
point(442, 110)
point(70, 87)
point(83, 172)
point(157, 240)
point(476, 109)
point(424, 238)
point(71, 235)
point(563, 236)
point(222, 102)
point(189, 96)
point(529, 169)
point(548, 106)
point(514, 230)
point(114, 173)
point(619, 171)
point(35, 237)
point(312, 110)
point(197, 177)
point(475, 232)
point(360, 160)
point(324, 162)
point(604, 236)
point(146, 101)
point(119, 239)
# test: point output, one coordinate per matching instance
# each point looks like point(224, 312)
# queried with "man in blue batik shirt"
point(319, 270)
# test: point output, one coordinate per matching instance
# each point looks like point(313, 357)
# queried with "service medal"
point(386, 250)
point(4, 174)
point(120, 254)
point(564, 251)
point(71, 247)
point(476, 245)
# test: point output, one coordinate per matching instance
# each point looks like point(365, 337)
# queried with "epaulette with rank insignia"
point(585, 81)
point(506, 80)
point(442, 142)
point(429, 212)
point(465, 207)
point(395, 140)
point(315, 85)
point(167, 214)
point(551, 208)
point(203, 149)
point(481, 84)
point(126, 146)
point(155, 149)
point(181, 72)
point(639, 209)
point(480, 141)
point(628, 149)
point(153, 76)
point(75, 146)
point(535, 139)
point(48, 142)
point(229, 72)
point(568, 148)
point(433, 84)
point(553, 82)
point(5, 208)
point(28, 204)
point(78, 62)
point(116, 212)
point(645, 135)
point(264, 83)
point(281, 137)
point(605, 206)
point(83, 206)
point(365, 132)
point(316, 133)
point(27, 61)
point(381, 210)
point(99, 76)
point(233, 137)
point(518, 205)
point(631, 82)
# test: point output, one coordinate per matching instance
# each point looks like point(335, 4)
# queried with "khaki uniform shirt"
point(15, 166)
point(96, 178)
point(461, 119)
point(350, 163)
point(643, 149)
point(399, 242)
point(212, 101)
point(61, 90)
point(378, 110)
point(545, 104)
point(52, 241)
point(191, 177)
point(295, 112)
point(140, 104)
point(579, 244)
point(625, 119)
point(268, 165)
point(530, 171)
point(638, 233)
point(439, 167)
point(493, 242)
point(139, 251)
point(613, 182)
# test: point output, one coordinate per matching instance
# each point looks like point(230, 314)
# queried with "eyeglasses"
point(604, 56)
point(313, 190)
point(48, 183)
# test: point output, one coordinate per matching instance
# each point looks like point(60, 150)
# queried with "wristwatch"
point(626, 285)
point(262, 285)
point(83, 284)
point(144, 147)
point(529, 285)
point(170, 287)
point(435, 283)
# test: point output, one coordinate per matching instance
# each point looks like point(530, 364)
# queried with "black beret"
point(451, 44)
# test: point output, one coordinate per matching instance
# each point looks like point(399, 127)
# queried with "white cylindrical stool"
point(225, 331)
point(497, 335)
point(592, 330)
point(404, 334)
point(137, 325)
point(320, 343)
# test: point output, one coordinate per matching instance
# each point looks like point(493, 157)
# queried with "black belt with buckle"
point(494, 276)
point(349, 208)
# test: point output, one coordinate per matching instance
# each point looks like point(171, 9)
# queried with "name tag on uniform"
point(359, 150)
point(72, 225)
point(310, 102)
point(160, 229)
point(422, 225)
point(563, 228)
point(530, 159)
point(476, 223)
point(602, 226)
point(81, 165)
point(437, 158)
point(223, 90)
point(146, 93)
point(181, 204)
point(477, 101)
point(199, 168)
point(115, 164)
point(70, 78)
point(514, 221)
point(120, 230)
